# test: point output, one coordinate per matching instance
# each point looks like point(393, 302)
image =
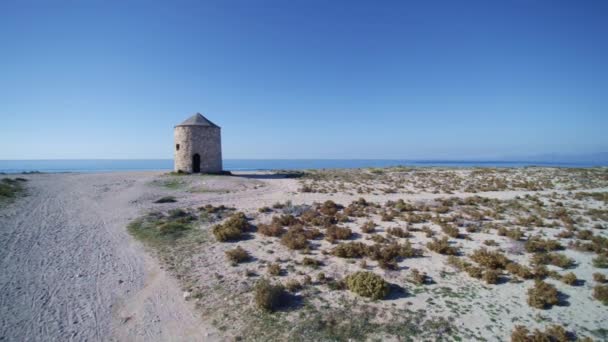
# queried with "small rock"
point(187, 295)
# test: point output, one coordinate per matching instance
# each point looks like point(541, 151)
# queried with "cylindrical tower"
point(198, 146)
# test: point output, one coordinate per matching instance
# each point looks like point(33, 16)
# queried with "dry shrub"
point(450, 230)
point(293, 285)
point(329, 208)
point(274, 269)
point(232, 229)
point(537, 244)
point(490, 243)
point(543, 295)
point(269, 297)
point(442, 246)
point(296, 237)
point(600, 262)
point(367, 284)
point(350, 250)
point(285, 220)
point(555, 259)
point(519, 270)
point(491, 276)
point(419, 278)
point(368, 227)
point(398, 232)
point(272, 229)
point(584, 235)
point(474, 271)
point(333, 233)
point(490, 259)
point(565, 234)
point(311, 262)
point(569, 278)
point(554, 333)
point(387, 216)
point(427, 231)
point(237, 255)
point(457, 263)
point(600, 292)
point(600, 278)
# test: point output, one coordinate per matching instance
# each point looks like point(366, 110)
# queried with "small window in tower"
point(177, 147)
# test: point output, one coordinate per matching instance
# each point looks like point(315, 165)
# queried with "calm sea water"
point(111, 165)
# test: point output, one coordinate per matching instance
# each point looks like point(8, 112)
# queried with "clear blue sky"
point(304, 79)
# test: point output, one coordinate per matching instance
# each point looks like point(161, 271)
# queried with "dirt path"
point(70, 271)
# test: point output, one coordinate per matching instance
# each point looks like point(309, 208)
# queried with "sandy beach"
point(71, 270)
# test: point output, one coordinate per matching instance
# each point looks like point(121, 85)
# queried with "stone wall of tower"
point(204, 140)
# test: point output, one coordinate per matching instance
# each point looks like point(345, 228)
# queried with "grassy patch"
point(10, 188)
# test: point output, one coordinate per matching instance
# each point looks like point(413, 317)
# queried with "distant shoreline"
point(125, 165)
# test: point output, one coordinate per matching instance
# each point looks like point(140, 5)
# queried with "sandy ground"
point(70, 271)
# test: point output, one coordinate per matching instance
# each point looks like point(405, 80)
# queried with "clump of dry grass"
point(297, 237)
point(271, 229)
point(519, 270)
point(232, 229)
point(274, 269)
point(514, 234)
point(543, 295)
point(600, 262)
point(293, 285)
point(491, 276)
point(419, 278)
point(442, 246)
point(237, 255)
point(450, 230)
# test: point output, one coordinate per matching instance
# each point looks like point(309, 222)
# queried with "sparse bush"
point(418, 278)
point(543, 295)
point(554, 333)
point(491, 276)
point(519, 270)
point(274, 269)
point(269, 297)
point(368, 227)
point(295, 238)
point(537, 244)
point(565, 234)
point(293, 285)
point(329, 208)
point(569, 278)
point(600, 292)
point(601, 261)
point(398, 232)
point(350, 250)
point(311, 262)
point(367, 284)
point(555, 259)
point(232, 229)
point(600, 278)
point(490, 243)
point(238, 255)
point(172, 228)
point(584, 235)
point(493, 260)
point(474, 271)
point(450, 230)
point(271, 229)
point(442, 246)
point(333, 233)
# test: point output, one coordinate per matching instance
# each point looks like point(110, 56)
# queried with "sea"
point(118, 165)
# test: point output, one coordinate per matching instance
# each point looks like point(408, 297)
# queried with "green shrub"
point(9, 188)
point(172, 228)
point(542, 295)
point(493, 260)
point(600, 292)
point(601, 261)
point(269, 297)
point(237, 255)
point(367, 284)
point(232, 229)
point(442, 246)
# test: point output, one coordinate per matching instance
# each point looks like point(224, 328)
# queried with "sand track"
point(70, 271)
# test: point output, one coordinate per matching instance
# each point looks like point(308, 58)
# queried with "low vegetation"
point(367, 284)
point(11, 187)
point(269, 297)
point(543, 295)
point(232, 229)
